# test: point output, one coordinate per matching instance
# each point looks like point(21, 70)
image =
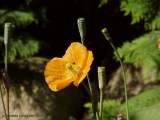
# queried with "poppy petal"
point(86, 69)
point(76, 53)
point(56, 74)
point(59, 85)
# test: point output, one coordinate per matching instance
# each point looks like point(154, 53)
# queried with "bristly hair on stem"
point(109, 39)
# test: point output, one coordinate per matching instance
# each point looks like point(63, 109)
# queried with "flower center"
point(73, 67)
point(73, 71)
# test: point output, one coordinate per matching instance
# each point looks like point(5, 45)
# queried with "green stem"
point(97, 116)
point(8, 104)
point(5, 113)
point(108, 38)
point(82, 31)
point(7, 86)
point(89, 84)
point(86, 88)
point(101, 79)
point(91, 93)
point(125, 83)
point(92, 99)
point(101, 104)
point(6, 39)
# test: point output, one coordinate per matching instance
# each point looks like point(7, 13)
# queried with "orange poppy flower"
point(71, 68)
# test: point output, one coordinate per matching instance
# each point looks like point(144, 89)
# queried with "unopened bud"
point(106, 34)
point(101, 76)
point(6, 32)
point(82, 28)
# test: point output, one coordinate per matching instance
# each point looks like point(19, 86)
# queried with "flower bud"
point(101, 76)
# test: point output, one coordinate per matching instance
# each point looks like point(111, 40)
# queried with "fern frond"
point(20, 18)
point(143, 53)
point(143, 10)
point(23, 49)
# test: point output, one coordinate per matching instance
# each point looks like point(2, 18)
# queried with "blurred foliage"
point(145, 105)
point(143, 10)
point(144, 99)
point(143, 53)
point(22, 16)
point(102, 2)
point(141, 107)
point(149, 113)
point(19, 18)
point(22, 49)
point(110, 109)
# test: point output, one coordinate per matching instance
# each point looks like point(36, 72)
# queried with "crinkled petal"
point(56, 74)
point(76, 53)
point(85, 69)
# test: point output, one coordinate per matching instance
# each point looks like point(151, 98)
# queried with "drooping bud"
point(106, 34)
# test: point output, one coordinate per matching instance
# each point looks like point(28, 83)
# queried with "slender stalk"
point(101, 79)
point(97, 116)
point(6, 38)
point(86, 88)
point(108, 38)
point(8, 104)
point(89, 84)
point(92, 99)
point(101, 104)
point(82, 31)
point(4, 108)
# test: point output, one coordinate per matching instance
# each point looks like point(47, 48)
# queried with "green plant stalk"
point(125, 83)
point(86, 88)
point(108, 38)
point(82, 31)
point(4, 108)
point(6, 70)
point(6, 38)
point(5, 57)
point(101, 79)
point(97, 116)
point(101, 104)
point(89, 84)
point(92, 99)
